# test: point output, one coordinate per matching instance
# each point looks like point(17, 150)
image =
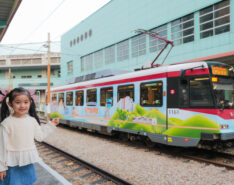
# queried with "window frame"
point(157, 44)
point(138, 47)
point(189, 79)
point(105, 95)
point(71, 99)
point(82, 100)
point(118, 98)
point(61, 97)
point(98, 59)
point(109, 55)
point(87, 93)
point(182, 30)
point(152, 105)
point(214, 19)
point(123, 50)
point(54, 95)
point(70, 67)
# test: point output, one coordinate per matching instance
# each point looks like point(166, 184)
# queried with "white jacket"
point(17, 147)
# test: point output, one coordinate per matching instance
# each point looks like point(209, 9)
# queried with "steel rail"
point(92, 167)
point(199, 159)
point(216, 154)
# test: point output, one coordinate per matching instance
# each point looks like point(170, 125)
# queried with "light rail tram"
point(188, 104)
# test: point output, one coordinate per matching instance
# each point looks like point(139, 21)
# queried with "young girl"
point(18, 129)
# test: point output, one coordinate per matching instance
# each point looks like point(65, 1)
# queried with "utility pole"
point(48, 79)
point(10, 78)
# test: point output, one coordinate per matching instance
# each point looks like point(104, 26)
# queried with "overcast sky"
point(35, 18)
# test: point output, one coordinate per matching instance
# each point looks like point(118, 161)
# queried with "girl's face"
point(20, 105)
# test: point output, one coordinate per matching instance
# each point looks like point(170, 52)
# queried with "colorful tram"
point(185, 104)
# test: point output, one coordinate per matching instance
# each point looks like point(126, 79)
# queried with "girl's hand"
point(2, 175)
point(55, 121)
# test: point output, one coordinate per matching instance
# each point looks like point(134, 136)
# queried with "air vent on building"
point(97, 75)
point(90, 76)
point(79, 79)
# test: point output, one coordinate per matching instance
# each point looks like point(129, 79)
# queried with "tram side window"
point(54, 97)
point(79, 98)
point(91, 98)
point(69, 98)
point(61, 99)
point(184, 93)
point(106, 96)
point(151, 94)
point(200, 92)
point(124, 91)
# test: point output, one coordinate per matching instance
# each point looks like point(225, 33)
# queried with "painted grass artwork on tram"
point(153, 121)
point(131, 116)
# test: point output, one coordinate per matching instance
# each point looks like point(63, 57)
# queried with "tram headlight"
point(214, 79)
point(224, 126)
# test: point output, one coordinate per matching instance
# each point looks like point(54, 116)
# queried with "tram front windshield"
point(223, 85)
point(224, 93)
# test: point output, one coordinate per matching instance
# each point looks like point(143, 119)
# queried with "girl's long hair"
point(5, 112)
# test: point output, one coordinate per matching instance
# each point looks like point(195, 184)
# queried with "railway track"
point(212, 157)
point(74, 169)
point(221, 159)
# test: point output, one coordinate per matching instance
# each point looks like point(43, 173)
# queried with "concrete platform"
point(47, 176)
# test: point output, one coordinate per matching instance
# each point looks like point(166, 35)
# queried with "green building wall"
point(118, 20)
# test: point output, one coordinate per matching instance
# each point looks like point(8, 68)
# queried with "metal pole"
point(39, 99)
point(48, 79)
point(9, 75)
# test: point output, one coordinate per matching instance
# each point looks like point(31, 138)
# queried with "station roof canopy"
point(8, 9)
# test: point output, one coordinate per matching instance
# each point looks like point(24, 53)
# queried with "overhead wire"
point(36, 50)
point(43, 21)
point(36, 28)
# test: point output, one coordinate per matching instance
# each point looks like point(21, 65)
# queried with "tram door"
point(173, 84)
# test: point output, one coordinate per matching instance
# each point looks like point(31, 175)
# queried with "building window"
point(2, 62)
point(82, 64)
point(151, 94)
point(70, 67)
point(29, 76)
point(98, 59)
point(215, 19)
point(110, 55)
point(139, 45)
point(123, 50)
point(182, 30)
point(90, 33)
point(89, 62)
point(157, 44)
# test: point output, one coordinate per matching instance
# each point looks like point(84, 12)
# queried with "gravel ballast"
point(136, 165)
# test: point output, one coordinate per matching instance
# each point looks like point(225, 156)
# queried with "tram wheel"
point(123, 137)
point(148, 142)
